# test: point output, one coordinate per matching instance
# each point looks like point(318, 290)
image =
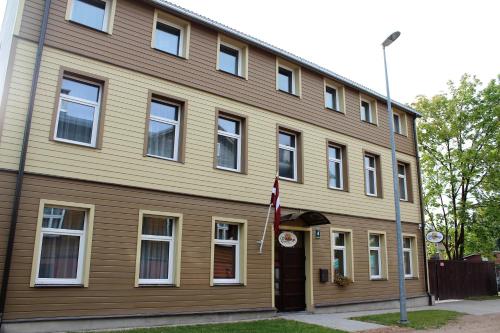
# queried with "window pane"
point(334, 174)
point(157, 225)
point(76, 122)
point(161, 139)
point(224, 261)
point(164, 110)
point(228, 125)
point(331, 98)
point(61, 218)
point(59, 257)
point(407, 243)
point(286, 163)
point(370, 161)
point(228, 60)
point(339, 238)
point(80, 89)
point(334, 152)
point(371, 182)
point(167, 38)
point(226, 231)
point(89, 12)
point(401, 169)
point(338, 262)
point(374, 259)
point(285, 80)
point(154, 259)
point(287, 139)
point(227, 152)
point(407, 262)
point(374, 240)
point(365, 107)
point(397, 127)
point(402, 188)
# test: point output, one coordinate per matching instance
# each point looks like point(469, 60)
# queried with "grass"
point(419, 320)
point(260, 326)
point(483, 298)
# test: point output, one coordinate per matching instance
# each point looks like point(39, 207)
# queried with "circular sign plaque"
point(287, 239)
point(434, 236)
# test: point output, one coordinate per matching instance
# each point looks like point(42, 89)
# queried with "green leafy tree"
point(459, 134)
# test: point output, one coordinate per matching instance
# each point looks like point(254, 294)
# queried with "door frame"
point(308, 249)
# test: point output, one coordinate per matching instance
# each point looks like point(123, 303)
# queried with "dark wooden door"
point(290, 275)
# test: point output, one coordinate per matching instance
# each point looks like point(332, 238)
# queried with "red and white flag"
point(275, 202)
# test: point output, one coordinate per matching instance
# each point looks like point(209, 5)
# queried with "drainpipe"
point(22, 162)
point(422, 218)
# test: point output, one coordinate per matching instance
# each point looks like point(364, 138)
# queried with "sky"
point(440, 39)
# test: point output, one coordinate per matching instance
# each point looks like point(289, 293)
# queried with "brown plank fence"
point(457, 279)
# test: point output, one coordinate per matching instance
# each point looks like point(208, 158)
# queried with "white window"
point(340, 240)
point(226, 253)
point(78, 113)
point(368, 113)
point(91, 13)
point(169, 38)
point(332, 98)
point(375, 251)
point(163, 133)
point(397, 123)
point(371, 175)
point(403, 188)
point(286, 79)
point(287, 155)
point(157, 250)
point(62, 246)
point(230, 59)
point(335, 172)
point(408, 256)
point(228, 144)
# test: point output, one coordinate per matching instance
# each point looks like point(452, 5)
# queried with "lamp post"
point(403, 316)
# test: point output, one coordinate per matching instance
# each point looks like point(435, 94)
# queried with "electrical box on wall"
point(323, 275)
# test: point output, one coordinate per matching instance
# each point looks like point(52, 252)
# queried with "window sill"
point(296, 181)
point(87, 27)
point(59, 286)
point(288, 93)
point(411, 278)
point(378, 279)
point(232, 74)
point(401, 134)
point(230, 170)
point(335, 110)
point(369, 123)
point(228, 285)
point(170, 54)
point(163, 158)
point(338, 189)
point(75, 144)
point(373, 196)
point(153, 285)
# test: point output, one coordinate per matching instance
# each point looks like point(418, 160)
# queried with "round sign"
point(434, 236)
point(287, 239)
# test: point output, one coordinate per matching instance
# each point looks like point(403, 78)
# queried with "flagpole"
point(261, 242)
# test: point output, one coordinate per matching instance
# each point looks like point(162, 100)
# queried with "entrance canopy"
point(309, 218)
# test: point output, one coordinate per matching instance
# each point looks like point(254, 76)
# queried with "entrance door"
point(290, 274)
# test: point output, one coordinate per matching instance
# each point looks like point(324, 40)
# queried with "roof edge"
point(277, 51)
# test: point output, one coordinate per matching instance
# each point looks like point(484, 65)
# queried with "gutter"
point(22, 162)
point(422, 218)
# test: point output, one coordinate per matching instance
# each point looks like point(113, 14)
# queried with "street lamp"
point(403, 316)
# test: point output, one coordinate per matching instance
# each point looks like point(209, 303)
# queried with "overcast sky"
point(440, 39)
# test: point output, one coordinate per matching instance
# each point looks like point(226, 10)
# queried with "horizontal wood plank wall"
point(363, 289)
point(7, 187)
point(111, 288)
point(130, 46)
point(121, 159)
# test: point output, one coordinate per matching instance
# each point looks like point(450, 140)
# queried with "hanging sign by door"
point(287, 239)
point(434, 237)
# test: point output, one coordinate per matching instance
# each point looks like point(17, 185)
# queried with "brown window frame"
point(378, 174)
point(298, 149)
point(345, 165)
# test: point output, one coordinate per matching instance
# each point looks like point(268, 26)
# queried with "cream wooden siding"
point(121, 159)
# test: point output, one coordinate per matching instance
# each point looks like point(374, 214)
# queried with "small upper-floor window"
point(335, 167)
point(168, 38)
point(287, 155)
point(228, 143)
point(78, 112)
point(164, 129)
point(397, 123)
point(286, 80)
point(370, 175)
point(229, 59)
point(92, 13)
point(288, 77)
point(331, 98)
point(368, 110)
point(403, 188)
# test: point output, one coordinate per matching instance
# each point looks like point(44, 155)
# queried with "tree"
point(459, 134)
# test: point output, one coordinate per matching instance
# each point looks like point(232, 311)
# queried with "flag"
point(275, 202)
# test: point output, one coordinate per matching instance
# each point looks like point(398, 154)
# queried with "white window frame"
point(394, 114)
point(180, 51)
point(405, 181)
point(410, 251)
point(337, 161)
point(379, 251)
point(240, 53)
point(63, 232)
point(72, 99)
point(236, 244)
point(370, 111)
point(171, 249)
point(234, 136)
point(107, 10)
point(293, 92)
point(292, 149)
point(337, 102)
point(340, 248)
point(175, 123)
point(369, 169)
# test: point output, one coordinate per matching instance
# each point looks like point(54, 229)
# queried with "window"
point(96, 14)
point(375, 249)
point(335, 167)
point(408, 256)
point(62, 245)
point(288, 77)
point(170, 34)
point(397, 123)
point(229, 60)
point(368, 109)
point(78, 113)
point(285, 80)
point(164, 128)
point(342, 253)
point(371, 175)
point(331, 99)
point(287, 155)
point(403, 189)
point(228, 251)
point(228, 143)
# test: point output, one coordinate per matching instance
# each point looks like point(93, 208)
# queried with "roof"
point(275, 50)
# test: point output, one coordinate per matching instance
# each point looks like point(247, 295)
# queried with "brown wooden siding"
point(111, 286)
point(7, 186)
point(129, 46)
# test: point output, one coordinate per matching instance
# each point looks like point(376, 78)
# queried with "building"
point(146, 176)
